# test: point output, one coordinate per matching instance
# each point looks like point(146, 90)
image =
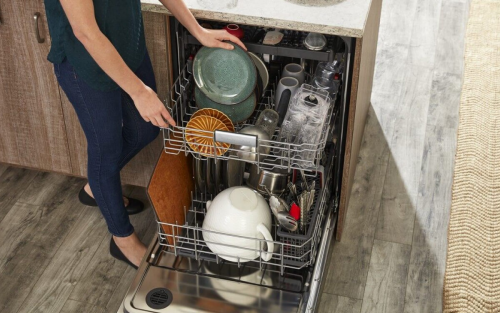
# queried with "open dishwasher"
point(180, 273)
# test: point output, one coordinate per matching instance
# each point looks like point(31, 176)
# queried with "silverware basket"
point(301, 246)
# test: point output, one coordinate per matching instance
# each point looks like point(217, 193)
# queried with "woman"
point(100, 60)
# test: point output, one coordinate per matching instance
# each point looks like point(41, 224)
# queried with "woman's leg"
point(100, 114)
point(137, 133)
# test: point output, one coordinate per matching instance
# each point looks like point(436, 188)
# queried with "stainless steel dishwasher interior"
point(176, 279)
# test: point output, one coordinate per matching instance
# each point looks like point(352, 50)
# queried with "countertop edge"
point(264, 22)
point(370, 8)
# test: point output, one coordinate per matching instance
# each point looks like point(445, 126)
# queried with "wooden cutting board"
point(170, 190)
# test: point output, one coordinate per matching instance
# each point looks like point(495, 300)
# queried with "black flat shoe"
point(115, 252)
point(134, 206)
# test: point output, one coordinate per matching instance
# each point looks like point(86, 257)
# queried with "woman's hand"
point(207, 37)
point(151, 108)
point(214, 38)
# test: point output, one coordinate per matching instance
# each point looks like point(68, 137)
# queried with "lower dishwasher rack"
point(168, 283)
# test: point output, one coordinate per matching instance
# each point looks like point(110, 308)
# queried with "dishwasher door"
point(167, 290)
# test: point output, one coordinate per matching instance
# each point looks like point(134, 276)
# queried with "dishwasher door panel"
point(197, 293)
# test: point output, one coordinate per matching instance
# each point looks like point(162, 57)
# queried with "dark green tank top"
point(119, 20)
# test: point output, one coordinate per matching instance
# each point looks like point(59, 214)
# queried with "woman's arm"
point(207, 37)
point(82, 19)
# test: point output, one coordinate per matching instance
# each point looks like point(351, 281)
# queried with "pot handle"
point(266, 256)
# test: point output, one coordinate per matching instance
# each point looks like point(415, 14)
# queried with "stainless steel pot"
point(214, 176)
point(200, 168)
point(233, 172)
point(275, 180)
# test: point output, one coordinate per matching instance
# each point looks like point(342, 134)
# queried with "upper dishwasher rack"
point(281, 155)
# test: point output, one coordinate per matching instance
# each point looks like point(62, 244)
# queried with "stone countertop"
point(335, 17)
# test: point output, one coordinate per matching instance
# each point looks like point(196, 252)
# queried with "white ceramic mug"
point(235, 213)
point(296, 71)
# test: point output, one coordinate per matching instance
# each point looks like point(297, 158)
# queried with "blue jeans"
point(115, 133)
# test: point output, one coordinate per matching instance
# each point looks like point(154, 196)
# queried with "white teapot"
point(238, 211)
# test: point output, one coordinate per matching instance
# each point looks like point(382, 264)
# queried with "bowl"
point(237, 221)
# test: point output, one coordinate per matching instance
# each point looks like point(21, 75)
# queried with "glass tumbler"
point(268, 120)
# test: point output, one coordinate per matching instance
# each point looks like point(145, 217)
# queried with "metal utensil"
point(304, 180)
point(303, 211)
point(311, 201)
point(306, 200)
point(293, 190)
point(303, 203)
point(274, 205)
point(280, 209)
point(313, 185)
point(278, 205)
point(288, 222)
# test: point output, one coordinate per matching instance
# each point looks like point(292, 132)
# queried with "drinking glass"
point(268, 120)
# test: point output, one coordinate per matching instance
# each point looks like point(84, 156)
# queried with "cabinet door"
point(31, 119)
point(139, 169)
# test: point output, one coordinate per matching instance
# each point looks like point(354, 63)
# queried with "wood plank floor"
point(392, 254)
point(53, 250)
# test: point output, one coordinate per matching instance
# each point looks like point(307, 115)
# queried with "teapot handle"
point(266, 256)
point(208, 204)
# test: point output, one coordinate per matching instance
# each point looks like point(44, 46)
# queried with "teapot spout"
point(209, 202)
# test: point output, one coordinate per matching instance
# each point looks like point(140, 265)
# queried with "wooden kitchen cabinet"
point(139, 169)
point(32, 126)
point(40, 129)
